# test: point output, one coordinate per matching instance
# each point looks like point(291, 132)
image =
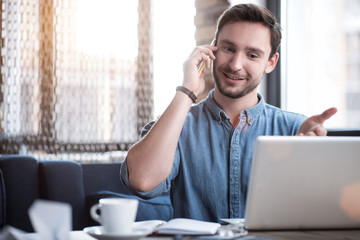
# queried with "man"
point(202, 153)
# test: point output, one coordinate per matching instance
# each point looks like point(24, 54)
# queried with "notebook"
point(304, 183)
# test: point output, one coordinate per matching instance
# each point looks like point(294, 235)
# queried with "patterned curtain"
point(76, 77)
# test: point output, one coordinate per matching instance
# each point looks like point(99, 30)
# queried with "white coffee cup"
point(117, 215)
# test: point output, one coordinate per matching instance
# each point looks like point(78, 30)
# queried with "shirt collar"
point(254, 112)
point(219, 114)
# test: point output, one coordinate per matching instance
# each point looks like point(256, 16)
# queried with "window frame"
point(274, 87)
point(273, 90)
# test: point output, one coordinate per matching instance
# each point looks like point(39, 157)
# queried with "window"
point(321, 59)
point(173, 42)
point(76, 76)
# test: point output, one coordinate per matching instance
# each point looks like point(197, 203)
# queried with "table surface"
point(326, 234)
point(261, 235)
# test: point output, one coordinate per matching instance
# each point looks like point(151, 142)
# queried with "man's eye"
point(229, 49)
point(253, 56)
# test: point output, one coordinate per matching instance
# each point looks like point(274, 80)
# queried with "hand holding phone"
point(202, 64)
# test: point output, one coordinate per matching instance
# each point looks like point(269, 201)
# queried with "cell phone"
point(202, 64)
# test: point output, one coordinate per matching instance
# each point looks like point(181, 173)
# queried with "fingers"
point(313, 126)
point(316, 130)
point(206, 59)
point(207, 56)
point(202, 54)
point(200, 58)
point(207, 52)
point(325, 115)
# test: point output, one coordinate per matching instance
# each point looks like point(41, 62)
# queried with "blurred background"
point(80, 78)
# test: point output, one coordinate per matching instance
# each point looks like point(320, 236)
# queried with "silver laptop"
point(304, 183)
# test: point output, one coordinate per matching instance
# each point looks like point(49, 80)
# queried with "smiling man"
point(202, 153)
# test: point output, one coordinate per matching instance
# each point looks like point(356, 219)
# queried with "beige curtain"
point(64, 89)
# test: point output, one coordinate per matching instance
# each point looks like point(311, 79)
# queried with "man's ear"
point(272, 63)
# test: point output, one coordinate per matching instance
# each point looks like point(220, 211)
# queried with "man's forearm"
point(150, 160)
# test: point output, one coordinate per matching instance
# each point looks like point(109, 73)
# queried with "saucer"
point(236, 221)
point(98, 233)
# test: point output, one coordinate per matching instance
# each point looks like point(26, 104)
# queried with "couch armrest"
point(62, 181)
point(2, 200)
point(20, 175)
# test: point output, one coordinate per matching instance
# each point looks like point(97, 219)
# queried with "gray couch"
point(24, 179)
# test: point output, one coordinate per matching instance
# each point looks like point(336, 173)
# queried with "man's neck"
point(234, 106)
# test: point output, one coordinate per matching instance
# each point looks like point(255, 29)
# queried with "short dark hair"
point(255, 14)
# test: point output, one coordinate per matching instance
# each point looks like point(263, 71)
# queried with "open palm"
point(313, 126)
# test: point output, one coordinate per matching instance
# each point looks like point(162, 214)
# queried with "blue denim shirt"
point(210, 174)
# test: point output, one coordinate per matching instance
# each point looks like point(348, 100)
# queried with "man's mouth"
point(234, 77)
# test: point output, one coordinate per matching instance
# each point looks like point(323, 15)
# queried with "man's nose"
point(236, 62)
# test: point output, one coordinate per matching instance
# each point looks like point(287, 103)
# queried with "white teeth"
point(234, 78)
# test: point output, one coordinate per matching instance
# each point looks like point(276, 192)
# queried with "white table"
point(279, 235)
point(80, 235)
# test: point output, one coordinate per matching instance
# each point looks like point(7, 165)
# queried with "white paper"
point(51, 220)
point(12, 233)
point(188, 227)
point(148, 225)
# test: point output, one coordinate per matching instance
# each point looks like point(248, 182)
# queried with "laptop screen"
point(304, 183)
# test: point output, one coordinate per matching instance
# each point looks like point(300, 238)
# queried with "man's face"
point(242, 58)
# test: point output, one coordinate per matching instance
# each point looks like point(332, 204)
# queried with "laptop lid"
point(304, 183)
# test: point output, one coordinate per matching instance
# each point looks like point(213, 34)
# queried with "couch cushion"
point(20, 174)
point(158, 208)
point(2, 200)
point(62, 181)
point(103, 176)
